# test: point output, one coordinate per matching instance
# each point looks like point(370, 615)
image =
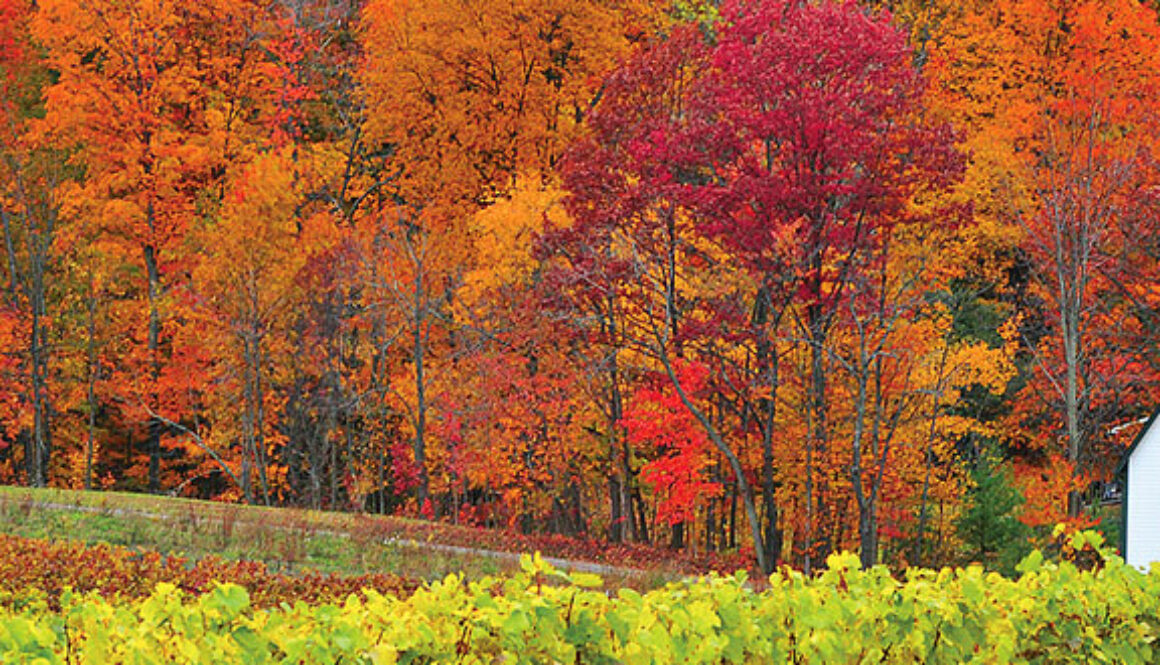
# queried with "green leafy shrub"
point(1052, 613)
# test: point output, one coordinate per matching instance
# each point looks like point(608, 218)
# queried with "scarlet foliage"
point(746, 198)
point(658, 421)
point(810, 120)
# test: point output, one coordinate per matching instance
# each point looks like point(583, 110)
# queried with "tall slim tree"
point(34, 178)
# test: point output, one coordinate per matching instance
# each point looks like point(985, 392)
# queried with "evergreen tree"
point(988, 526)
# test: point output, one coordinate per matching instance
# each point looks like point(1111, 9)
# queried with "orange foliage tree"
point(1057, 98)
point(29, 210)
point(467, 122)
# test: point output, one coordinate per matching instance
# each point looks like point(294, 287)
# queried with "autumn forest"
point(774, 277)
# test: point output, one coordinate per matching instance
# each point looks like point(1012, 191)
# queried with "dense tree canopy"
point(759, 275)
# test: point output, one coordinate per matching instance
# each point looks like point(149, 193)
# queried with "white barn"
point(1139, 475)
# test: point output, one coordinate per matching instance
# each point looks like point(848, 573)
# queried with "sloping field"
point(291, 540)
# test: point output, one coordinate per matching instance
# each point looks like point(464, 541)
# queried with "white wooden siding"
point(1143, 501)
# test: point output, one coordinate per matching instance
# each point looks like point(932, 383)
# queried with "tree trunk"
point(91, 378)
point(767, 360)
point(247, 417)
point(734, 462)
point(259, 423)
point(40, 431)
point(919, 555)
point(620, 514)
point(1073, 357)
point(642, 523)
point(616, 508)
point(420, 443)
point(154, 425)
point(28, 284)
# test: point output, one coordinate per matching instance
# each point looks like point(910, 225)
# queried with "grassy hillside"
point(292, 540)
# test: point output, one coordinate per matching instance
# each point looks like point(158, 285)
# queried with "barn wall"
point(1143, 500)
